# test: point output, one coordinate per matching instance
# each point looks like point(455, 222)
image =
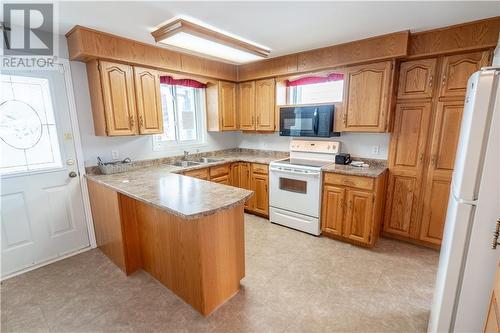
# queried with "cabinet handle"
point(141, 121)
point(433, 159)
point(444, 79)
point(421, 157)
point(345, 119)
point(132, 121)
point(496, 233)
point(430, 81)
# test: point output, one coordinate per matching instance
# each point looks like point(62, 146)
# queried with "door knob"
point(72, 174)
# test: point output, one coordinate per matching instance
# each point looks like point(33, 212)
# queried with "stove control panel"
point(325, 147)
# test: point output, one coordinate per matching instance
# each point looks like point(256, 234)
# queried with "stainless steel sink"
point(185, 163)
point(207, 160)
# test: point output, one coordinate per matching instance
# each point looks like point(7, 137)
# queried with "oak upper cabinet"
point(406, 164)
point(352, 207)
point(246, 105)
point(443, 147)
point(221, 106)
point(265, 104)
point(367, 90)
point(149, 109)
point(456, 71)
point(257, 105)
point(112, 95)
point(417, 78)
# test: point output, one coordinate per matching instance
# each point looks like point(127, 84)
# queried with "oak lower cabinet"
point(367, 98)
point(125, 99)
point(254, 177)
point(352, 207)
point(198, 173)
point(221, 106)
point(260, 185)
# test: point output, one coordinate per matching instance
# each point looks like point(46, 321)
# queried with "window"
point(316, 89)
point(183, 117)
point(28, 135)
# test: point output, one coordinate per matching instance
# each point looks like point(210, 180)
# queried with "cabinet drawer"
point(351, 181)
point(221, 180)
point(198, 173)
point(219, 170)
point(260, 168)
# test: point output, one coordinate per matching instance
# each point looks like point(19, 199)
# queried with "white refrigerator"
point(467, 263)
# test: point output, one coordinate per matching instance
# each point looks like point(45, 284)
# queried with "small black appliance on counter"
point(343, 158)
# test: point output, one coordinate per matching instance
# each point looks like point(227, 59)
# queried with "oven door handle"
point(309, 173)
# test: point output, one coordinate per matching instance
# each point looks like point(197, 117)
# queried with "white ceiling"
point(285, 27)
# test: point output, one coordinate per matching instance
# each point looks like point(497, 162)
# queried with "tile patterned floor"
point(294, 283)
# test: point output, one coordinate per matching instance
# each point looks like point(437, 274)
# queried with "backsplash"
point(357, 144)
point(170, 159)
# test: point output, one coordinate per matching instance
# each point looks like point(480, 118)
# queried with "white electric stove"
point(295, 185)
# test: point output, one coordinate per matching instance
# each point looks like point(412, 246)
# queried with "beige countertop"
point(186, 197)
point(159, 184)
point(374, 170)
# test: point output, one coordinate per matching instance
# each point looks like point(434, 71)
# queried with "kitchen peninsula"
point(186, 232)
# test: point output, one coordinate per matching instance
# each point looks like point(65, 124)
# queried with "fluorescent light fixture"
point(193, 37)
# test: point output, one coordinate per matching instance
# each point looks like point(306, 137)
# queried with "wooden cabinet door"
point(416, 78)
point(265, 104)
point(227, 106)
point(456, 72)
point(148, 98)
point(332, 215)
point(260, 187)
point(492, 324)
point(118, 98)
point(406, 166)
point(358, 218)
point(444, 142)
point(246, 183)
point(246, 105)
point(234, 174)
point(366, 98)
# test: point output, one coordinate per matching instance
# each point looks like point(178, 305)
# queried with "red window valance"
point(181, 82)
point(315, 79)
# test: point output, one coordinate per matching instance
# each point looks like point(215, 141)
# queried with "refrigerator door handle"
point(496, 233)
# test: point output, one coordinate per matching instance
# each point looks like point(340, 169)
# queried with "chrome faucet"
point(186, 154)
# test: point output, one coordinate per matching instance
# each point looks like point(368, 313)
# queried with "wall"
point(135, 147)
point(357, 144)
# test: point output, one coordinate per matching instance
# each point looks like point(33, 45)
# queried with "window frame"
point(200, 114)
point(294, 92)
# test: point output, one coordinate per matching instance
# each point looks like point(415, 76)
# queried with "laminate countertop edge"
point(244, 195)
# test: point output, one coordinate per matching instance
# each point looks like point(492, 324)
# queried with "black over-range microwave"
point(308, 120)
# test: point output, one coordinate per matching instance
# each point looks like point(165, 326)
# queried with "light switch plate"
point(115, 154)
point(375, 150)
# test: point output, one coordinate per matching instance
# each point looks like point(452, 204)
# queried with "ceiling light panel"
point(196, 38)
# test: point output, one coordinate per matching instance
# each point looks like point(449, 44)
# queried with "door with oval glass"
point(42, 208)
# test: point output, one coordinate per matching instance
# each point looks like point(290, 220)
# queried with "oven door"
point(299, 121)
point(295, 190)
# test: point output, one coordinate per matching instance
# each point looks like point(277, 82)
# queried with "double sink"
point(196, 161)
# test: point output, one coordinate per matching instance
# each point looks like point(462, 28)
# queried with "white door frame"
point(81, 168)
point(78, 149)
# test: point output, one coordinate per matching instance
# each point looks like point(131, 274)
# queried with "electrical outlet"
point(375, 150)
point(115, 155)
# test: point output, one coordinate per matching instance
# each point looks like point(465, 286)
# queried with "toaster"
point(343, 158)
